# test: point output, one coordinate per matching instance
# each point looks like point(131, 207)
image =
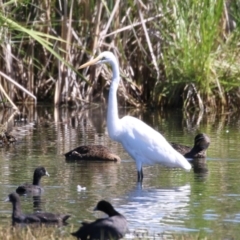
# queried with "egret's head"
point(104, 57)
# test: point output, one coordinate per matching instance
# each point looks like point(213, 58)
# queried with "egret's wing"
point(143, 142)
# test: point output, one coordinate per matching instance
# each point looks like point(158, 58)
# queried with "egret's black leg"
point(140, 175)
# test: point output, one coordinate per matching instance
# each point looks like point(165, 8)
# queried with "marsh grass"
point(196, 52)
point(60, 233)
point(173, 53)
point(34, 233)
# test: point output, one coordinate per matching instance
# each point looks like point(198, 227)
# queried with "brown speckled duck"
point(201, 144)
point(92, 152)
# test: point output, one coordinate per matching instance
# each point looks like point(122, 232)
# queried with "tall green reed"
point(170, 52)
point(193, 48)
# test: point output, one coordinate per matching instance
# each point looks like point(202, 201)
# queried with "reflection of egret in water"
point(156, 211)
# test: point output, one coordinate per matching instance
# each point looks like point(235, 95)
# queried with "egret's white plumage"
point(145, 145)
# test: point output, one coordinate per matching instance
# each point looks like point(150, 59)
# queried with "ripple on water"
point(156, 209)
point(209, 203)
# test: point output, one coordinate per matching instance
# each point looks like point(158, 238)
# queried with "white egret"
point(145, 145)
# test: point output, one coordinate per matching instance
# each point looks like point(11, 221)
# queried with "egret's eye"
point(103, 58)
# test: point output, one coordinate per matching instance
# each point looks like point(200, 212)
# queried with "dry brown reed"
point(44, 44)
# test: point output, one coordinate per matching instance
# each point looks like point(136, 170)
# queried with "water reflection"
point(165, 203)
point(89, 126)
point(157, 210)
point(200, 168)
point(37, 203)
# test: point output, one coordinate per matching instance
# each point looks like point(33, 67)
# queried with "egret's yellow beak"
point(91, 62)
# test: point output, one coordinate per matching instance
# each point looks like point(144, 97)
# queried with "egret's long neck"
point(112, 112)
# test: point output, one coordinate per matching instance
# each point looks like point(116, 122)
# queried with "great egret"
point(201, 144)
point(145, 145)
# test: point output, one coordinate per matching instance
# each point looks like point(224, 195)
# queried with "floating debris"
point(79, 188)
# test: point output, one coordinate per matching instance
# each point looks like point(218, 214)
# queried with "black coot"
point(35, 187)
point(112, 228)
point(37, 217)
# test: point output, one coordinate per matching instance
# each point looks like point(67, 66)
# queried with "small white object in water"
point(79, 188)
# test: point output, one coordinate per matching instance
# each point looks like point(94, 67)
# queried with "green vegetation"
point(201, 56)
point(171, 53)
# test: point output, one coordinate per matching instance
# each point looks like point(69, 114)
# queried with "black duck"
point(37, 217)
point(201, 144)
point(35, 187)
point(112, 228)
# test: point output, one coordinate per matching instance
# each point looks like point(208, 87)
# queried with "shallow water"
point(170, 202)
